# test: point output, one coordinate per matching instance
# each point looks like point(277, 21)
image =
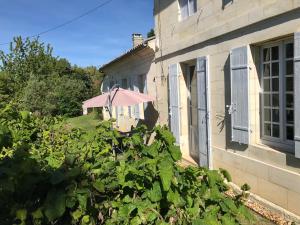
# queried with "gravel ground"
point(264, 215)
point(259, 220)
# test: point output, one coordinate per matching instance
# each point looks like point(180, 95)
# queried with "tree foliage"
point(48, 175)
point(151, 33)
point(44, 84)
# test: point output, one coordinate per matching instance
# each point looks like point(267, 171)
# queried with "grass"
point(87, 123)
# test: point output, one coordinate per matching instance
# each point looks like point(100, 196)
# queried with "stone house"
point(134, 70)
point(230, 73)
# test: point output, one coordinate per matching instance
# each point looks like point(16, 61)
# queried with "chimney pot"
point(137, 39)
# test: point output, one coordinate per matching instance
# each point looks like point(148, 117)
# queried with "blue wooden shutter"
point(137, 106)
point(130, 88)
point(297, 93)
point(121, 108)
point(174, 101)
point(239, 108)
point(117, 110)
point(203, 111)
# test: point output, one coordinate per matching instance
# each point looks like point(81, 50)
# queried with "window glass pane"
point(267, 99)
point(289, 100)
point(276, 131)
point(267, 129)
point(289, 67)
point(275, 84)
point(267, 86)
point(275, 115)
point(266, 70)
point(184, 10)
point(274, 93)
point(289, 84)
point(267, 115)
point(289, 50)
point(290, 116)
point(275, 53)
point(124, 83)
point(192, 6)
point(111, 84)
point(275, 100)
point(275, 69)
point(266, 54)
point(290, 133)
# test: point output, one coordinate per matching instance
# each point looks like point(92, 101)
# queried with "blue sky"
point(92, 40)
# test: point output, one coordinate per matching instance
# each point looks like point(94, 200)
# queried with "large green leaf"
point(125, 210)
point(175, 152)
point(21, 214)
point(99, 186)
point(228, 205)
point(166, 173)
point(155, 194)
point(152, 150)
point(175, 198)
point(55, 204)
point(136, 221)
point(244, 214)
point(213, 178)
point(227, 219)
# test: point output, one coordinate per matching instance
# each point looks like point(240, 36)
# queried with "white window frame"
point(189, 13)
point(282, 142)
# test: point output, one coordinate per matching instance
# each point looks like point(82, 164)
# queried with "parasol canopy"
point(118, 97)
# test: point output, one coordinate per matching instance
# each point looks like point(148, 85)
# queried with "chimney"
point(137, 39)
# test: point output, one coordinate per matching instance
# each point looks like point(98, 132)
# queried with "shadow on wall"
point(292, 161)
point(151, 117)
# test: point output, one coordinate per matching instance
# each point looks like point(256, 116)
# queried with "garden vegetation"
point(49, 175)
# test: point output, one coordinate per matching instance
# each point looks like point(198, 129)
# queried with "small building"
point(135, 70)
point(234, 89)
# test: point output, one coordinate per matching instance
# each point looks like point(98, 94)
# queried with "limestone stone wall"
point(213, 31)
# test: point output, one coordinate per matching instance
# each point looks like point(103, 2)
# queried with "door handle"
point(231, 108)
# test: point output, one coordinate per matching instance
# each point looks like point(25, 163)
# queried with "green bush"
point(51, 177)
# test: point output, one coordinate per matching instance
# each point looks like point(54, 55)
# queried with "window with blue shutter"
point(174, 94)
point(239, 108)
point(297, 93)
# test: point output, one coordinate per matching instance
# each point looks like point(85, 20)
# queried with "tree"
point(42, 83)
point(151, 33)
point(6, 88)
point(27, 57)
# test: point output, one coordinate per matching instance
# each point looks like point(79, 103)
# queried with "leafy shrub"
point(51, 176)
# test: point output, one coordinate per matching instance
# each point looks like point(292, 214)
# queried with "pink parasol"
point(118, 97)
